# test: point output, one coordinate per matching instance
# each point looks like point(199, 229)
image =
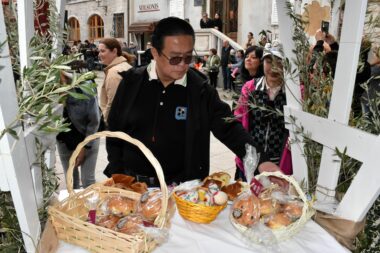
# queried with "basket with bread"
point(119, 215)
point(270, 212)
point(202, 201)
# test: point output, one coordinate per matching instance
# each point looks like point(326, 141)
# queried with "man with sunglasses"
point(171, 108)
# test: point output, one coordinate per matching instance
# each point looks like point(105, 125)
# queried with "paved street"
point(221, 158)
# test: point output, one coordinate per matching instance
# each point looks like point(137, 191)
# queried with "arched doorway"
point(228, 11)
point(74, 29)
point(95, 27)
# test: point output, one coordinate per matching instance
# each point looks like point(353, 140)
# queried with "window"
point(74, 29)
point(118, 25)
point(177, 8)
point(96, 27)
point(274, 16)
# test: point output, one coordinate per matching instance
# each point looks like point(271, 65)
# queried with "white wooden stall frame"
point(19, 173)
point(13, 153)
point(334, 131)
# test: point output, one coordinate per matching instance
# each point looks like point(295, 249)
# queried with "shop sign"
point(148, 7)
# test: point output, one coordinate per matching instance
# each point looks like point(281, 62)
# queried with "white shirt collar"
point(152, 73)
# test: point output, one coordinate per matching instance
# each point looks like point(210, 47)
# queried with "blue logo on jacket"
point(180, 113)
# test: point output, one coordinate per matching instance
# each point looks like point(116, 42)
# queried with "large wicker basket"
point(68, 216)
point(287, 232)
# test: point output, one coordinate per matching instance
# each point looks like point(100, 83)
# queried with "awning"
point(142, 27)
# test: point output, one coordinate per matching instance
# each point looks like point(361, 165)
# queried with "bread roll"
point(140, 187)
point(245, 210)
point(293, 210)
point(108, 221)
point(268, 206)
point(150, 204)
point(279, 220)
point(130, 224)
point(221, 176)
point(233, 190)
point(121, 205)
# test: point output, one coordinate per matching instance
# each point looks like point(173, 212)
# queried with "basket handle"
point(290, 179)
point(160, 220)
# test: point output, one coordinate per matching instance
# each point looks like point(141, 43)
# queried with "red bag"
point(286, 160)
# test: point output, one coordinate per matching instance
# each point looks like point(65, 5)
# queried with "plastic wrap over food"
point(91, 204)
point(250, 160)
point(150, 204)
point(246, 210)
point(118, 205)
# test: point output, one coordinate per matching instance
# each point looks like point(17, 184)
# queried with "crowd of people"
point(171, 104)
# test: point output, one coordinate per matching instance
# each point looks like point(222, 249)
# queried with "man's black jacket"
point(206, 112)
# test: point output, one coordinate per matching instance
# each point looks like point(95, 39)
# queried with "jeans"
point(225, 77)
point(87, 169)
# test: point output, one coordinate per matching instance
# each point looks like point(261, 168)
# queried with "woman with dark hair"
point(213, 64)
point(252, 67)
point(116, 60)
point(218, 23)
point(268, 92)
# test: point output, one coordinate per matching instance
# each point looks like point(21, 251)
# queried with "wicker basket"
point(68, 216)
point(285, 233)
point(197, 212)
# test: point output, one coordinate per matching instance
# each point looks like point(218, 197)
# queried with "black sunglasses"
point(177, 59)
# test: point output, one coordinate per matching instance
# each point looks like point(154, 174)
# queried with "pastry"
point(122, 179)
point(130, 224)
point(279, 220)
point(121, 205)
point(268, 206)
point(140, 187)
point(221, 176)
point(245, 210)
point(108, 221)
point(293, 210)
point(150, 204)
point(233, 190)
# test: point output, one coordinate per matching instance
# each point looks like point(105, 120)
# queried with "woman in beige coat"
point(117, 61)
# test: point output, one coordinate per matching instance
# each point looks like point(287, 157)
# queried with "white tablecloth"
point(220, 237)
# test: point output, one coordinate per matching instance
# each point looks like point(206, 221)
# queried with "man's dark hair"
point(170, 26)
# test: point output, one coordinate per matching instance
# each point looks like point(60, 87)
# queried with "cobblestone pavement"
point(221, 158)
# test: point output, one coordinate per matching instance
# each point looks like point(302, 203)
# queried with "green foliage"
point(10, 234)
point(316, 99)
point(39, 93)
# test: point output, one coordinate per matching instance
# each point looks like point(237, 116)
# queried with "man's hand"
point(81, 157)
point(268, 167)
point(271, 167)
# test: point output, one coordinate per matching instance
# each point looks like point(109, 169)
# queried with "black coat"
point(206, 112)
point(218, 23)
point(207, 24)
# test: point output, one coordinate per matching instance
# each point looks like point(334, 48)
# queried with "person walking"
point(111, 55)
point(84, 118)
point(213, 65)
point(224, 63)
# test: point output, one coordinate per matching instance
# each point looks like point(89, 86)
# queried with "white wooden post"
point(25, 18)
point(340, 106)
point(13, 154)
point(293, 93)
point(334, 131)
